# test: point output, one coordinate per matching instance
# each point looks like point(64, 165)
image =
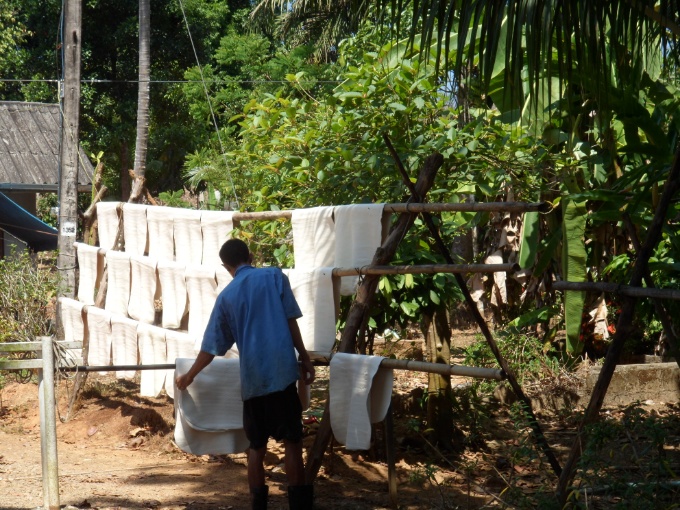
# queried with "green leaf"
point(397, 106)
point(387, 285)
point(347, 95)
point(574, 268)
point(529, 246)
point(485, 188)
point(533, 317)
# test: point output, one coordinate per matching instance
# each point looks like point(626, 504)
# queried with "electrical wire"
point(216, 81)
point(207, 97)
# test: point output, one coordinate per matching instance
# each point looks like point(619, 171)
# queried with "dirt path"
point(118, 453)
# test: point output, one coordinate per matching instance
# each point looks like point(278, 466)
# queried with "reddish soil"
point(117, 452)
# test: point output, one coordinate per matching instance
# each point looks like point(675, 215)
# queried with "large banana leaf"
point(529, 246)
point(574, 215)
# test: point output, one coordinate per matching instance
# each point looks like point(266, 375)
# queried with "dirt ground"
point(117, 452)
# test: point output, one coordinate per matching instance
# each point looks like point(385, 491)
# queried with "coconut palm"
point(320, 24)
point(142, 100)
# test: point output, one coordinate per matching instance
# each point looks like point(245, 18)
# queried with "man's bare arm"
point(307, 367)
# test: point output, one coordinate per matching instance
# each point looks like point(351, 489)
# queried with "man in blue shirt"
point(258, 312)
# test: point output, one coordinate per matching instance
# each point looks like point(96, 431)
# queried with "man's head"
point(235, 253)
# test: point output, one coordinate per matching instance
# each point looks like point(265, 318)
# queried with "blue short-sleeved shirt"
point(253, 312)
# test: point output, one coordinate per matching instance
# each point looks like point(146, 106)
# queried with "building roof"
point(29, 148)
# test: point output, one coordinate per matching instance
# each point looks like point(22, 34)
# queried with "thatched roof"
point(29, 148)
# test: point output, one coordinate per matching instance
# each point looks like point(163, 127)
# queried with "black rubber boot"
point(259, 497)
point(301, 497)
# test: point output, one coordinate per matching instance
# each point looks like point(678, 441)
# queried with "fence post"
point(48, 428)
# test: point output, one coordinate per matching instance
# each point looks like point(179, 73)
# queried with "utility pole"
point(69, 157)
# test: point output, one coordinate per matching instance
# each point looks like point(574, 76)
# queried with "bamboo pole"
point(364, 296)
point(443, 369)
point(415, 208)
point(323, 360)
point(515, 207)
point(615, 288)
point(37, 346)
point(427, 269)
point(541, 441)
point(409, 269)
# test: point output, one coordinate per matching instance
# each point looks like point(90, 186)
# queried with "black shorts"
point(277, 414)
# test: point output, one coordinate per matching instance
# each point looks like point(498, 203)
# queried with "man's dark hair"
point(234, 252)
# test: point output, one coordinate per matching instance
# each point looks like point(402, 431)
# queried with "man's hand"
point(183, 381)
point(202, 360)
point(307, 371)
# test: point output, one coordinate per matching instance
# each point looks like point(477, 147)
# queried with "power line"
point(207, 97)
point(97, 80)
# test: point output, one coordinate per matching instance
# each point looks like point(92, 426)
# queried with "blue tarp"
point(23, 225)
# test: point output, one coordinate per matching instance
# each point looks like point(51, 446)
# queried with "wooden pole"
point(483, 326)
point(69, 157)
point(48, 428)
point(391, 454)
point(415, 207)
point(623, 328)
point(364, 297)
point(427, 269)
point(386, 363)
point(659, 308)
point(615, 288)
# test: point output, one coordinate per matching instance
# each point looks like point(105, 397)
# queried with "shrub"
point(27, 296)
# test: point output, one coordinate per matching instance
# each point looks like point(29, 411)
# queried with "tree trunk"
point(142, 101)
point(124, 171)
point(437, 333)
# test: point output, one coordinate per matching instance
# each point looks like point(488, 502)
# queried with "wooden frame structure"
point(371, 272)
point(360, 307)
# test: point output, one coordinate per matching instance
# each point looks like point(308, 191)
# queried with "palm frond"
point(547, 37)
point(318, 22)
